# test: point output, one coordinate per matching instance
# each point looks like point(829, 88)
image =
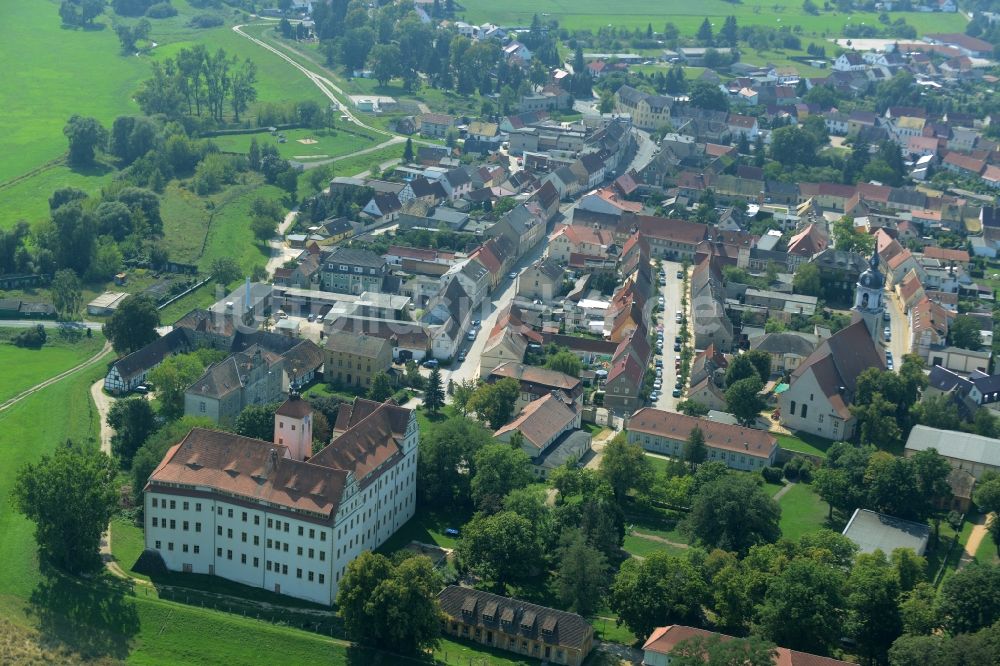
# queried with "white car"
point(657, 385)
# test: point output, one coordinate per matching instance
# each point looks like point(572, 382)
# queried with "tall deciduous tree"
point(446, 462)
point(734, 513)
point(964, 333)
point(987, 496)
point(66, 293)
point(70, 496)
point(392, 607)
point(133, 325)
point(661, 589)
point(134, 421)
point(566, 362)
point(381, 388)
point(582, 574)
point(494, 403)
point(743, 399)
point(86, 136)
point(873, 617)
point(970, 599)
point(807, 280)
point(624, 466)
point(499, 470)
point(257, 421)
point(802, 605)
point(172, 378)
point(695, 450)
point(501, 548)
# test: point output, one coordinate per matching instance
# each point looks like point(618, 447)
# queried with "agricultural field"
point(23, 368)
point(594, 14)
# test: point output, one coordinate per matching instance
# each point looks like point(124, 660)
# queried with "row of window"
point(286, 526)
point(184, 547)
point(173, 505)
point(283, 570)
point(172, 524)
point(347, 269)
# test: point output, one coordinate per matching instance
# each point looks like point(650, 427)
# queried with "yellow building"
point(353, 360)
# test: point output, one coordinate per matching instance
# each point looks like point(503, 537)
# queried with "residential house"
point(849, 61)
point(667, 238)
point(550, 433)
point(523, 226)
point(251, 377)
point(537, 632)
point(709, 394)
point(822, 387)
point(485, 135)
point(448, 315)
point(580, 239)
point(422, 189)
point(709, 363)
point(787, 349)
point(745, 126)
point(622, 389)
point(711, 324)
point(435, 125)
point(353, 360)
point(409, 341)
point(474, 277)
point(962, 164)
point(537, 382)
point(812, 240)
point(131, 370)
point(661, 643)
point(352, 271)
point(649, 112)
point(542, 280)
point(666, 433)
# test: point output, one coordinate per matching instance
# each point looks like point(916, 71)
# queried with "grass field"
point(802, 511)
point(329, 143)
point(636, 545)
point(199, 229)
point(23, 368)
point(594, 14)
point(803, 443)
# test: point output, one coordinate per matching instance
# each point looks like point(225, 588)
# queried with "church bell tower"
point(869, 296)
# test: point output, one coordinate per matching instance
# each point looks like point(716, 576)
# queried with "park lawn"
point(637, 545)
point(658, 463)
point(23, 368)
point(127, 544)
point(606, 628)
point(987, 551)
point(802, 511)
point(772, 488)
point(329, 143)
point(199, 229)
point(201, 297)
point(51, 416)
point(803, 443)
point(428, 526)
point(594, 14)
point(452, 650)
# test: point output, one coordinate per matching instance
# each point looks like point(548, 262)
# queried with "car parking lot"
point(670, 301)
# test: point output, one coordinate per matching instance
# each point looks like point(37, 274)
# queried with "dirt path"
point(979, 532)
point(52, 380)
point(781, 493)
point(653, 537)
point(103, 402)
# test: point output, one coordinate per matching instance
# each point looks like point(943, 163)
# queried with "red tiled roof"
point(679, 231)
point(946, 254)
point(717, 435)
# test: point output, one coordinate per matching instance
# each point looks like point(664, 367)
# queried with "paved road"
point(48, 323)
point(899, 328)
point(671, 294)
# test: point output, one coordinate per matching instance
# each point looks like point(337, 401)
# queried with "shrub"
point(206, 21)
point(32, 338)
point(772, 474)
point(161, 10)
point(799, 469)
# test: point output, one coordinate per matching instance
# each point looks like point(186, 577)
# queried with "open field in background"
point(23, 368)
point(595, 14)
point(28, 199)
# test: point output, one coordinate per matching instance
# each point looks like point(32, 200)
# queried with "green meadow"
point(302, 144)
point(594, 14)
point(24, 368)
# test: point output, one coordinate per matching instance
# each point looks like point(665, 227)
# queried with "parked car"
point(676, 393)
point(659, 362)
point(680, 275)
point(451, 531)
point(677, 346)
point(659, 372)
point(657, 385)
point(886, 316)
point(461, 357)
point(887, 333)
point(311, 317)
point(141, 389)
point(431, 363)
point(476, 323)
point(654, 396)
point(471, 335)
point(512, 275)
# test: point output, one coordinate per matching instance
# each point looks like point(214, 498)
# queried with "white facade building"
point(255, 513)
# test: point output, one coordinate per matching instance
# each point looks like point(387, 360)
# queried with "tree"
point(434, 392)
point(938, 411)
point(565, 362)
point(692, 408)
point(499, 470)
point(384, 60)
point(381, 388)
point(792, 145)
point(134, 421)
point(985, 424)
point(242, 88)
point(878, 422)
point(873, 617)
point(705, 32)
point(661, 589)
point(225, 270)
point(461, 393)
point(408, 151)
point(582, 574)
point(257, 421)
point(66, 293)
point(987, 497)
point(806, 280)
point(695, 450)
point(713, 651)
point(849, 239)
point(172, 377)
point(494, 402)
point(910, 568)
point(743, 399)
point(964, 333)
point(624, 466)
point(840, 482)
point(801, 608)
point(754, 363)
point(86, 136)
point(970, 599)
point(392, 607)
point(734, 513)
point(70, 496)
point(447, 461)
point(707, 96)
point(133, 325)
point(502, 547)
point(917, 609)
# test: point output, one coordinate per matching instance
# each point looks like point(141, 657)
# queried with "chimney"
point(272, 462)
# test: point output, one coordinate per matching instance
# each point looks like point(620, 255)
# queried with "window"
point(285, 546)
point(310, 553)
point(220, 510)
point(173, 504)
point(268, 567)
point(197, 527)
point(218, 552)
point(229, 554)
point(310, 576)
point(301, 529)
point(270, 523)
point(256, 540)
point(243, 558)
point(322, 536)
point(173, 524)
point(284, 569)
point(321, 577)
point(185, 505)
point(312, 533)
point(154, 521)
point(244, 516)
point(256, 563)
point(286, 526)
point(197, 506)
point(201, 406)
point(805, 410)
point(358, 269)
point(155, 502)
point(197, 549)
point(268, 543)
point(322, 556)
point(343, 267)
point(230, 513)
point(170, 545)
point(244, 537)
point(298, 573)
point(256, 520)
point(157, 545)
point(820, 418)
point(793, 408)
point(299, 553)
point(184, 526)
point(229, 533)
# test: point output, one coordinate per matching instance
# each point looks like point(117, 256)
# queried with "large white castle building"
point(270, 514)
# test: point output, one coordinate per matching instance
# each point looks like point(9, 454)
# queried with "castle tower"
point(869, 295)
point(293, 427)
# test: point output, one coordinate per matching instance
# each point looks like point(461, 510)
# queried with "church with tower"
point(821, 390)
